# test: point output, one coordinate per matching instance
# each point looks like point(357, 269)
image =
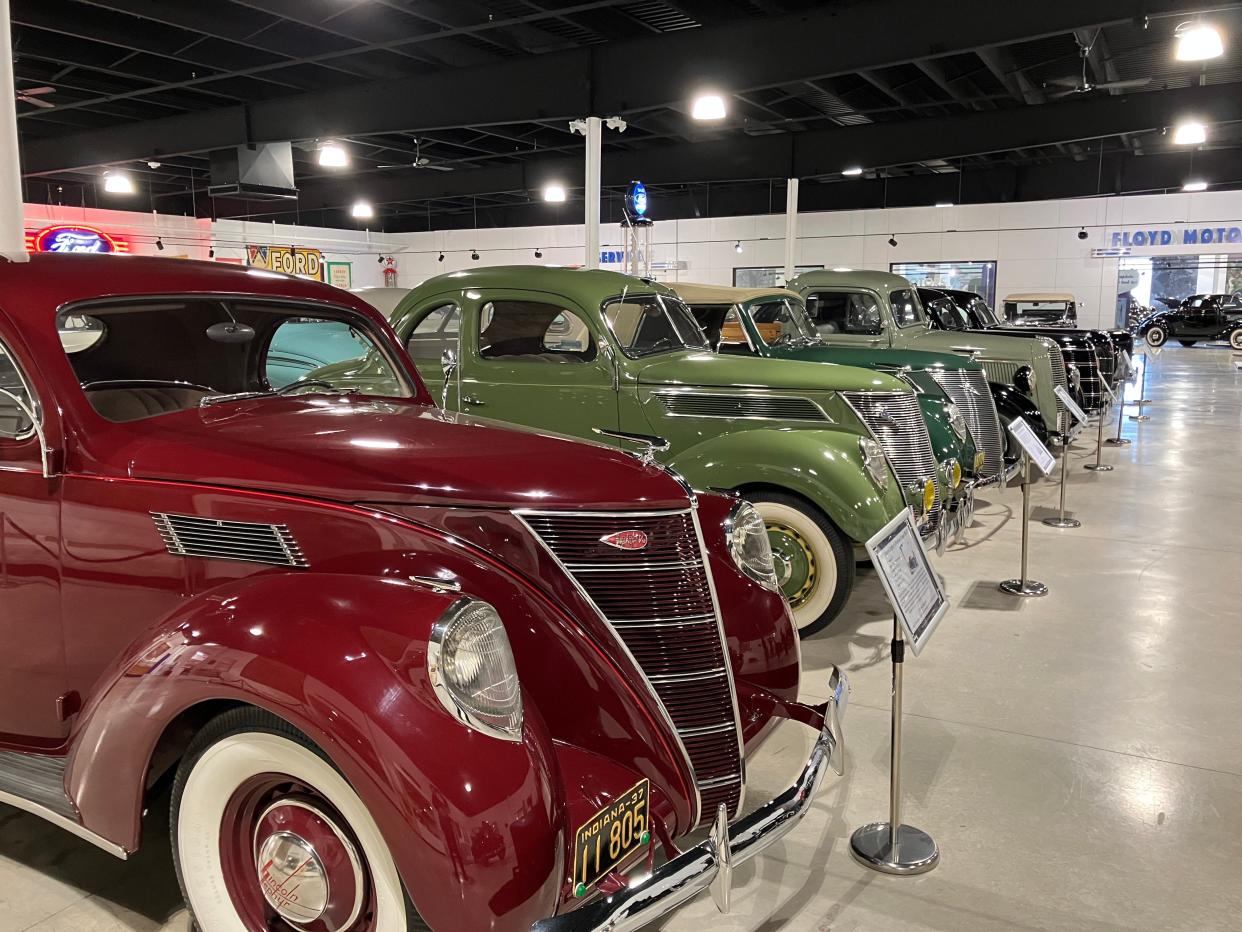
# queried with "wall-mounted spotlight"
point(474, 254)
point(538, 253)
point(1082, 234)
point(159, 244)
point(379, 259)
point(737, 247)
point(441, 259)
point(892, 240)
point(211, 252)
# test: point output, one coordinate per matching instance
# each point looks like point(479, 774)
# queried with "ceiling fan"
point(31, 95)
point(1082, 85)
point(420, 161)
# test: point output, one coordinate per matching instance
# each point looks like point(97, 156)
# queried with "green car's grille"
point(896, 420)
point(968, 389)
point(770, 407)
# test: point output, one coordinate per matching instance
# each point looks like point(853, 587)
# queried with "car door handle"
point(473, 400)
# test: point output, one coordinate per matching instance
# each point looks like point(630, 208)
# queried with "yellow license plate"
point(611, 835)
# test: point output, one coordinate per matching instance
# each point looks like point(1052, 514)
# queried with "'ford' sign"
point(69, 238)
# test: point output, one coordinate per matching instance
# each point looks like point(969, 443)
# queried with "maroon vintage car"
point(403, 665)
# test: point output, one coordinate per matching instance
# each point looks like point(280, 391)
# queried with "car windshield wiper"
point(210, 400)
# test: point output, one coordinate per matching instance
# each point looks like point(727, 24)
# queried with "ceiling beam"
point(779, 50)
point(818, 153)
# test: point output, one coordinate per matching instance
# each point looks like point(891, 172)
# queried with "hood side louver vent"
point(771, 407)
point(210, 539)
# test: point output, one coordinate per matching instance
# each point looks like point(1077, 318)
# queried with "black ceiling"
point(954, 102)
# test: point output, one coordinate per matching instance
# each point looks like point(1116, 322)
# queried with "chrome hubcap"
point(292, 878)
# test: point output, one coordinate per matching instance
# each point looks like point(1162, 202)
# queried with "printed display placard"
point(913, 589)
point(1070, 404)
point(1038, 453)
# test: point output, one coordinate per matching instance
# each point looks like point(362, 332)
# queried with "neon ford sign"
point(68, 237)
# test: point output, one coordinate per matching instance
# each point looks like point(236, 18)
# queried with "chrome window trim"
point(32, 409)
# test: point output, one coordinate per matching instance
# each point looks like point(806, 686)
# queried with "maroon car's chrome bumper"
point(710, 863)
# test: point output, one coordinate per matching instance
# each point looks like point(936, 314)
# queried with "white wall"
point(1035, 244)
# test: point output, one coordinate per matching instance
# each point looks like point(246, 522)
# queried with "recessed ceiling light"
point(708, 107)
point(118, 183)
point(554, 193)
point(1195, 186)
point(852, 172)
point(362, 210)
point(1198, 42)
point(1190, 133)
point(333, 155)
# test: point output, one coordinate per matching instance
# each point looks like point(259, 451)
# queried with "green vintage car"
point(604, 356)
point(773, 323)
point(862, 308)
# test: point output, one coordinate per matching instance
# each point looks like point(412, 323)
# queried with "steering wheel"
point(146, 383)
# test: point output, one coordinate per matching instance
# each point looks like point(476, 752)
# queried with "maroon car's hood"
point(357, 450)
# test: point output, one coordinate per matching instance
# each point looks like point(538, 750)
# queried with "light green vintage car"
point(604, 356)
point(879, 309)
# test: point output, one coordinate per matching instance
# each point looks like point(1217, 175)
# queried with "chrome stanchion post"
point(1060, 520)
point(1142, 392)
point(891, 847)
point(1024, 586)
point(1098, 465)
point(1120, 441)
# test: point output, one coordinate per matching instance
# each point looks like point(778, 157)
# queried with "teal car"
point(301, 347)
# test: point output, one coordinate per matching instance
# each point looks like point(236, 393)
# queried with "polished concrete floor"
point(1077, 757)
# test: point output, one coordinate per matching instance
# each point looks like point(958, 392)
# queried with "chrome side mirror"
point(448, 366)
point(45, 452)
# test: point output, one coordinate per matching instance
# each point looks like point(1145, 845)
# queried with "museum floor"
point(1078, 758)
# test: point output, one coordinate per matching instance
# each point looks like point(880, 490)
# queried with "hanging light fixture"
point(1197, 42)
point(708, 107)
point(1196, 185)
point(853, 172)
point(554, 193)
point(333, 155)
point(362, 210)
point(1189, 133)
point(118, 183)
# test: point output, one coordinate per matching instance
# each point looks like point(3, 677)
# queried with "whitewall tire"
point(814, 561)
point(245, 769)
point(1157, 336)
point(1235, 339)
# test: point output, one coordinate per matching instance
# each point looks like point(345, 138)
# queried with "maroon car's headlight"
point(749, 545)
point(472, 671)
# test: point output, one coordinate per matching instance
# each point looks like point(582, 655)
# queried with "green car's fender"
point(823, 466)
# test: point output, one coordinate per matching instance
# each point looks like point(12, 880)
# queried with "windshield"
point(983, 313)
point(946, 314)
point(142, 358)
point(906, 308)
point(783, 322)
point(645, 325)
point(1040, 310)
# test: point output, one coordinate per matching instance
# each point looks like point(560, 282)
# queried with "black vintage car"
point(965, 311)
point(1201, 318)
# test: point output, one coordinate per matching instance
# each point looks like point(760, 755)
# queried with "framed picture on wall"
point(341, 274)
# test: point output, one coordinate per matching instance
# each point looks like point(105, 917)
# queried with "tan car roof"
point(1041, 296)
point(694, 293)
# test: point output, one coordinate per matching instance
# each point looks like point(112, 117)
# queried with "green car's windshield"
point(907, 311)
point(947, 315)
point(648, 324)
point(782, 322)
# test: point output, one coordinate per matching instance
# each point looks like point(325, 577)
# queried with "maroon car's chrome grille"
point(658, 601)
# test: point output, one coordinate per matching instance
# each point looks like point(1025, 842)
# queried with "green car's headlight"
point(956, 421)
point(471, 668)
point(750, 547)
point(1024, 379)
point(874, 462)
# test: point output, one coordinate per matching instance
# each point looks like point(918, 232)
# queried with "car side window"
point(855, 312)
point(435, 333)
point(533, 331)
point(15, 424)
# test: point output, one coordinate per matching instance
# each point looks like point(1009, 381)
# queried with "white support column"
point(791, 227)
point(12, 224)
point(594, 158)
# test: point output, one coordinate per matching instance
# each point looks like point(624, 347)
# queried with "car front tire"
point(266, 833)
point(1157, 336)
point(814, 560)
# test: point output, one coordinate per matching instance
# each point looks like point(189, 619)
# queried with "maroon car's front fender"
point(475, 824)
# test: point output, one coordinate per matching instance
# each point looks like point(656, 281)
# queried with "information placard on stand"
point(913, 588)
point(1070, 404)
point(1031, 444)
point(919, 602)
